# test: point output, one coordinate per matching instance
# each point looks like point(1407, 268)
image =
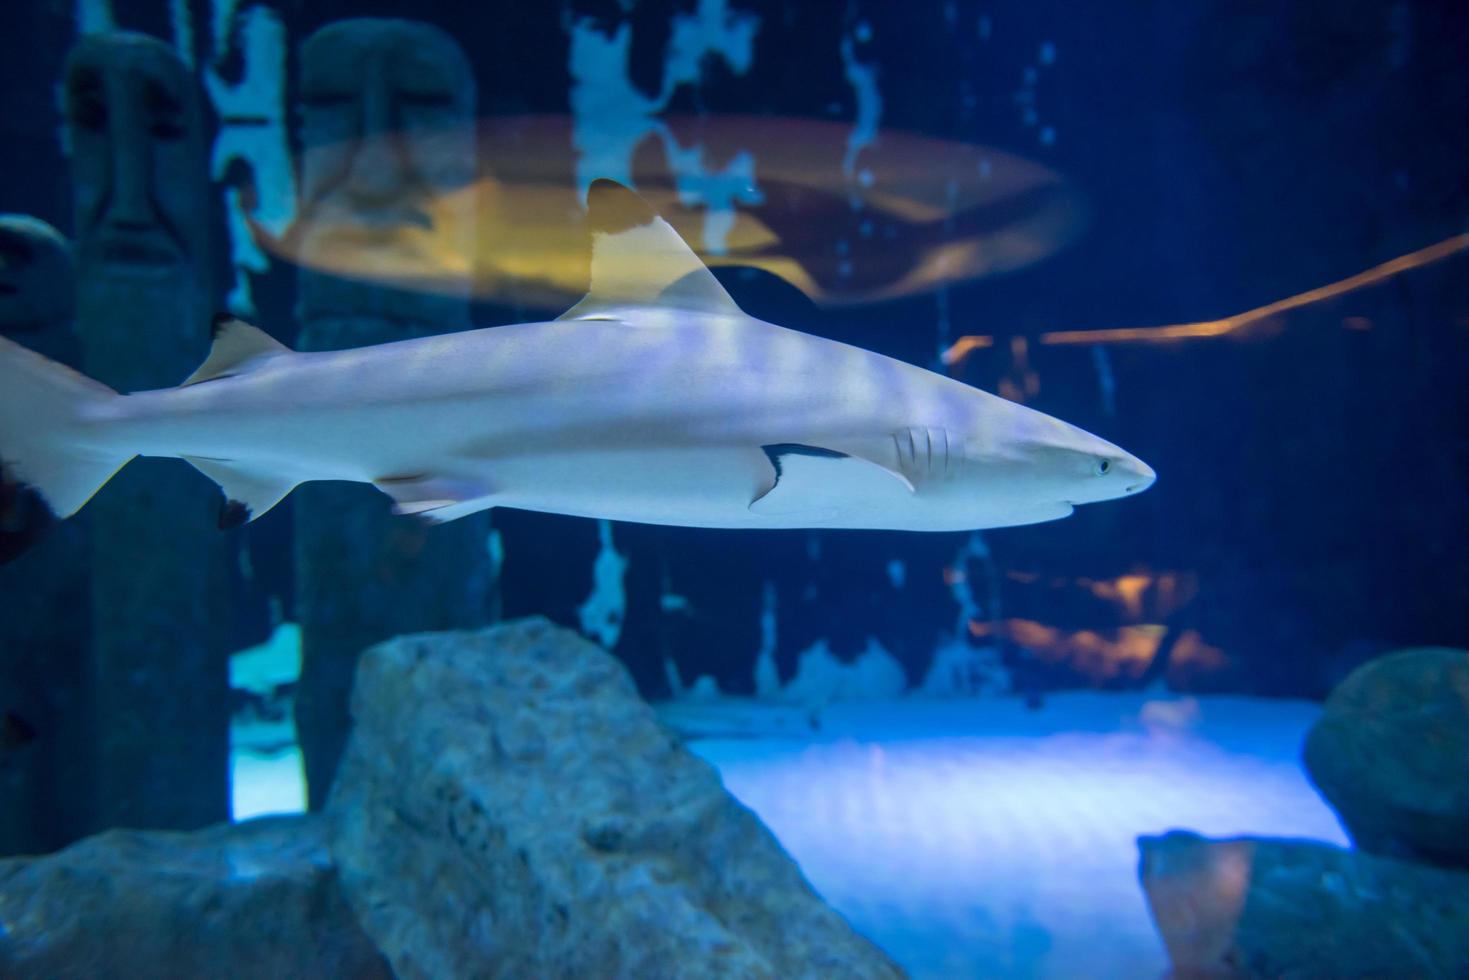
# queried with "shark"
point(654, 399)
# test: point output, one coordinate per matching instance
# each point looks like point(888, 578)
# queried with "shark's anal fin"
point(639, 260)
point(248, 492)
point(235, 343)
point(434, 498)
point(811, 479)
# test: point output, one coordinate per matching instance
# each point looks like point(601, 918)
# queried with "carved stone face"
point(136, 138)
point(37, 284)
point(387, 113)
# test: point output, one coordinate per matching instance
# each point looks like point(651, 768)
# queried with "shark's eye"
point(1102, 467)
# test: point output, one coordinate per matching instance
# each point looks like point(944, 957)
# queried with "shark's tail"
point(48, 451)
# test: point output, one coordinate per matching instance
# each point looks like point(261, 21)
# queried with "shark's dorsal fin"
point(235, 342)
point(639, 260)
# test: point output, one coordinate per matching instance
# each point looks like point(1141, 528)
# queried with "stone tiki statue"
point(159, 719)
point(44, 609)
point(387, 138)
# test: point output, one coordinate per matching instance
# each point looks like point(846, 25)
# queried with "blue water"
point(1230, 239)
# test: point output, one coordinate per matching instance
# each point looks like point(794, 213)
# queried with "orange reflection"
point(1192, 660)
point(965, 346)
point(1215, 328)
point(1105, 655)
point(1019, 382)
point(925, 212)
point(1127, 590)
point(1218, 328)
point(1100, 655)
point(1143, 594)
point(1140, 594)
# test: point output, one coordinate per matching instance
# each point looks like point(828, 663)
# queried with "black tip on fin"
point(232, 514)
point(613, 208)
point(220, 321)
point(774, 451)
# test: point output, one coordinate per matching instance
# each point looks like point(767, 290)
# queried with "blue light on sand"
point(979, 839)
point(976, 837)
point(265, 762)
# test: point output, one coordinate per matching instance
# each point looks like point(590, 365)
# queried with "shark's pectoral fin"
point(248, 492)
point(810, 479)
point(434, 498)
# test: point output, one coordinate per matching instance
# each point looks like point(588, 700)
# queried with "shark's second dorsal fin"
point(639, 260)
point(235, 342)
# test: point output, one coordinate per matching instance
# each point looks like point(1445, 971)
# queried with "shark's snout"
point(1140, 475)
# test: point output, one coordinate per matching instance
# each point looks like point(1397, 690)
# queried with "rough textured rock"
point(257, 899)
point(509, 807)
point(1252, 907)
point(1391, 755)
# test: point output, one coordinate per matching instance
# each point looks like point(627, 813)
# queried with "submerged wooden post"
point(159, 676)
point(385, 243)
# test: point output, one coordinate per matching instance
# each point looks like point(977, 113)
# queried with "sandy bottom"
point(980, 838)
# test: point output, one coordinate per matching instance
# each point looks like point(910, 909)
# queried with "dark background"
point(1313, 470)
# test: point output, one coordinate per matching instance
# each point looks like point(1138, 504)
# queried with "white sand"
point(977, 838)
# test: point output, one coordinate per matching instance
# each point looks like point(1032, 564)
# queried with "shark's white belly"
point(664, 470)
point(709, 486)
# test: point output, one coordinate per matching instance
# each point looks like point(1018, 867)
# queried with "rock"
point(509, 807)
point(1255, 907)
point(257, 899)
point(1391, 755)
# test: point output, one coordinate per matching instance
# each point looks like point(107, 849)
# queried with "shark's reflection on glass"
point(928, 212)
point(386, 107)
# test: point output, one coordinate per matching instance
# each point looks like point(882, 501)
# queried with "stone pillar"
point(384, 239)
point(135, 134)
point(44, 615)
